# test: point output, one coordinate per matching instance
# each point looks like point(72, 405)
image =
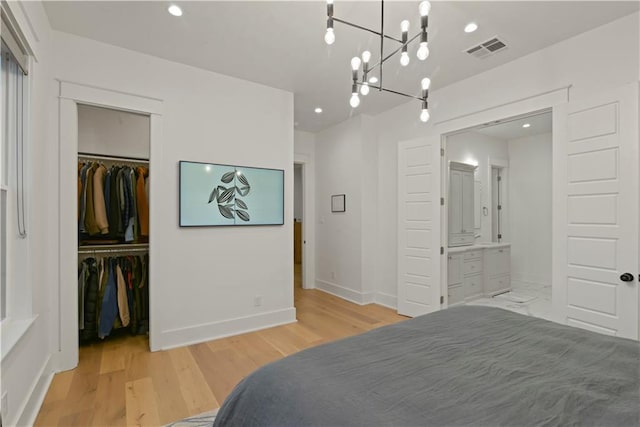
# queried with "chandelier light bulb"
point(424, 8)
point(329, 36)
point(425, 83)
point(424, 115)
point(329, 1)
point(373, 80)
point(366, 56)
point(423, 51)
point(364, 89)
point(175, 10)
point(404, 59)
point(404, 26)
point(355, 63)
point(354, 101)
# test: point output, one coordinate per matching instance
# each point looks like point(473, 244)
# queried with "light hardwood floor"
point(119, 382)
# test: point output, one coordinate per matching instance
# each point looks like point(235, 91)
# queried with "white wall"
point(339, 245)
point(346, 159)
point(111, 132)
point(530, 188)
point(27, 364)
point(304, 143)
point(571, 62)
point(200, 285)
point(475, 148)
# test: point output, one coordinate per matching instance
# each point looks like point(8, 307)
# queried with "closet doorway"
point(298, 219)
point(507, 261)
point(304, 215)
point(105, 294)
point(113, 225)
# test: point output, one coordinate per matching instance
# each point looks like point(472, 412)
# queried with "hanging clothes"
point(100, 210)
point(112, 293)
point(113, 203)
point(141, 200)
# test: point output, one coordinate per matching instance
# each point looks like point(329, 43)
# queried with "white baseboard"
point(387, 300)
point(360, 298)
point(29, 412)
point(210, 331)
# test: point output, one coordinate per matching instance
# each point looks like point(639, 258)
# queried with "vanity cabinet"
point(461, 204)
point(477, 271)
point(498, 271)
point(472, 270)
point(454, 279)
point(464, 278)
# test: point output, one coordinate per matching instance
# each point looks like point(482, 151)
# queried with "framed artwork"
point(338, 203)
point(220, 195)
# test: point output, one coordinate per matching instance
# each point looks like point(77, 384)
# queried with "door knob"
point(626, 277)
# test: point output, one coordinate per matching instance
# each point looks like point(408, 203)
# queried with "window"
point(13, 91)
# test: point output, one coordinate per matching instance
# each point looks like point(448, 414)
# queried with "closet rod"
point(105, 157)
point(140, 247)
point(109, 251)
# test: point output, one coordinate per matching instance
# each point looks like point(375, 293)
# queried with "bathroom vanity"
point(476, 271)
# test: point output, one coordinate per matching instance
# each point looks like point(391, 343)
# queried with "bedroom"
point(205, 115)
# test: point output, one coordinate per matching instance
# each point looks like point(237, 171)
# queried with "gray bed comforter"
point(462, 366)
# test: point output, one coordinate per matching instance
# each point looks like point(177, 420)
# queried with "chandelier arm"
point(383, 89)
point(342, 21)
point(377, 64)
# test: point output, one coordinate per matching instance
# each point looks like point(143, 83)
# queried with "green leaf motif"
point(243, 215)
point(228, 177)
point(243, 179)
point(244, 190)
point(241, 204)
point(226, 211)
point(227, 195)
point(214, 195)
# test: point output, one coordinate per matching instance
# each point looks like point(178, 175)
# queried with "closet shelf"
point(91, 156)
point(125, 247)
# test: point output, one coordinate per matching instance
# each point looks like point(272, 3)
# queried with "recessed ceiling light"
point(373, 79)
point(175, 10)
point(526, 125)
point(471, 27)
point(318, 110)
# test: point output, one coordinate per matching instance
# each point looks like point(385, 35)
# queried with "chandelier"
point(370, 82)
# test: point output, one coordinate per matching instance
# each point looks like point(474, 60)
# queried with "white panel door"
point(418, 227)
point(595, 212)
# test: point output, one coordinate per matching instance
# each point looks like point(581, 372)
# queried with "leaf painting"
point(227, 198)
point(243, 215)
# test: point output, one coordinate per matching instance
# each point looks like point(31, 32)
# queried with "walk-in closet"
point(113, 224)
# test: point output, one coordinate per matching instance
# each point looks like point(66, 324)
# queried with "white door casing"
point(595, 212)
point(419, 213)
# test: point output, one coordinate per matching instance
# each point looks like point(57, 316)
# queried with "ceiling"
point(280, 43)
point(512, 128)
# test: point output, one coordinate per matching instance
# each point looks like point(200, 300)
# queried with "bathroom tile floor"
point(536, 297)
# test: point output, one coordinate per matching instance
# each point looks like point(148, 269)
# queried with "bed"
point(462, 366)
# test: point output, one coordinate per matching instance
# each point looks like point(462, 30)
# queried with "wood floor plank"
point(59, 388)
point(110, 405)
point(194, 388)
point(171, 405)
point(256, 348)
point(142, 409)
point(119, 382)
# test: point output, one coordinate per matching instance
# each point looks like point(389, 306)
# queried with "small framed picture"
point(338, 203)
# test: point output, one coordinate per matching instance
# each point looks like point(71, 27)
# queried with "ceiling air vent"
point(487, 48)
